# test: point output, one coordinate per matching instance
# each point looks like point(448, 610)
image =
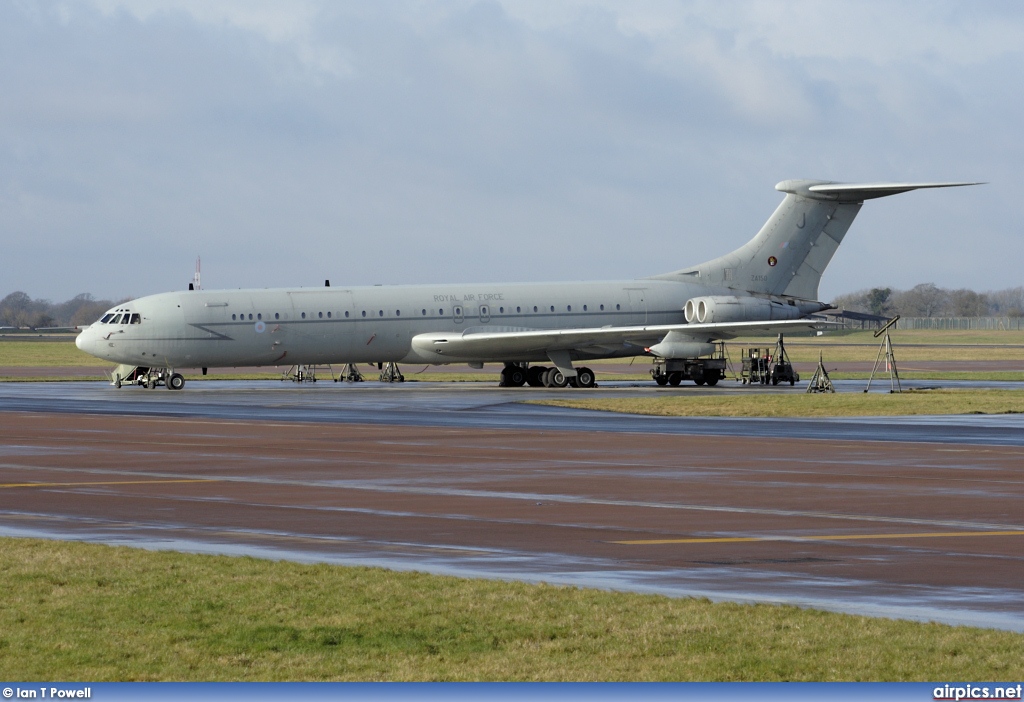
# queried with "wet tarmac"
point(486, 406)
point(915, 517)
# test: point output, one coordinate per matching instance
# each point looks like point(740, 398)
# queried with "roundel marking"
point(772, 260)
point(260, 327)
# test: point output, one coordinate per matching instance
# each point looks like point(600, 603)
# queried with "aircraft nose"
point(86, 341)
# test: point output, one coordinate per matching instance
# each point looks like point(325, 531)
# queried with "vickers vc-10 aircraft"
point(768, 285)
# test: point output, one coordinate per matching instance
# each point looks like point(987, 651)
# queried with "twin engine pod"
point(728, 308)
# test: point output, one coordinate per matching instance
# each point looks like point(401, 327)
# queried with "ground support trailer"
point(702, 371)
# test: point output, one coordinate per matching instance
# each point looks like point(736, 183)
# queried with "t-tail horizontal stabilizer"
point(858, 192)
point(796, 244)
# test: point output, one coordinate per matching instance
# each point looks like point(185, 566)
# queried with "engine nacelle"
point(728, 308)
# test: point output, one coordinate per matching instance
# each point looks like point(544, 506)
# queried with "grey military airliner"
point(768, 285)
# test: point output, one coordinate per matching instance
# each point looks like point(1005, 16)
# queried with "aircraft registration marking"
point(836, 537)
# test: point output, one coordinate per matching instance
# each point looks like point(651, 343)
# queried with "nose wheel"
point(149, 378)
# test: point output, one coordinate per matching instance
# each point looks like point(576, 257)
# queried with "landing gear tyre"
point(661, 379)
point(556, 379)
point(535, 376)
point(585, 378)
point(699, 380)
point(712, 380)
point(675, 378)
point(176, 381)
point(513, 377)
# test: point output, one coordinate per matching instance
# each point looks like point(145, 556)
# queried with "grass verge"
point(74, 611)
point(46, 353)
point(815, 405)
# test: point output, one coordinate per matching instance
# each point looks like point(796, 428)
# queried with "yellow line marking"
point(109, 482)
point(837, 537)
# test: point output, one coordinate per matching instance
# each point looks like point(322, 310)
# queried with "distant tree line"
point(20, 310)
point(927, 300)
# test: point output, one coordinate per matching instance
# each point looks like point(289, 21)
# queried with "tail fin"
point(793, 248)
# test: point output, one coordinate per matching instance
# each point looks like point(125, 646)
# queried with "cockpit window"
point(106, 318)
point(124, 318)
point(136, 318)
point(115, 320)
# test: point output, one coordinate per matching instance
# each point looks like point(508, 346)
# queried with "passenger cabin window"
point(277, 315)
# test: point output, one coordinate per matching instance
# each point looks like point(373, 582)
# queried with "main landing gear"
point(515, 376)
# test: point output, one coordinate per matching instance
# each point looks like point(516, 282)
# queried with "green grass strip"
point(815, 405)
point(75, 611)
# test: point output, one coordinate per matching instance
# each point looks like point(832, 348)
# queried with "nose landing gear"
point(148, 378)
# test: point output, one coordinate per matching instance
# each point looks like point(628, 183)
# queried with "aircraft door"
point(485, 314)
point(207, 317)
point(458, 314)
point(638, 301)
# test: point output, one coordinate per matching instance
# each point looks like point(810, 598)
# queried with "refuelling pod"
point(727, 308)
point(677, 345)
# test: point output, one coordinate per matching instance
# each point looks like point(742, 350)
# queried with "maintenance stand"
point(890, 359)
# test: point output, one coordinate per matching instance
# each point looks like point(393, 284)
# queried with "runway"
point(902, 517)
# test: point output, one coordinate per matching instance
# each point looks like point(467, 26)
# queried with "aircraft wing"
point(492, 342)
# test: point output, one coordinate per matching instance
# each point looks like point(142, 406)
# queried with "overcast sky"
point(464, 141)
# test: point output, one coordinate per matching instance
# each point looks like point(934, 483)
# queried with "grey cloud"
point(453, 142)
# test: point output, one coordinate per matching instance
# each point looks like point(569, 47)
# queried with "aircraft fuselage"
point(216, 328)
